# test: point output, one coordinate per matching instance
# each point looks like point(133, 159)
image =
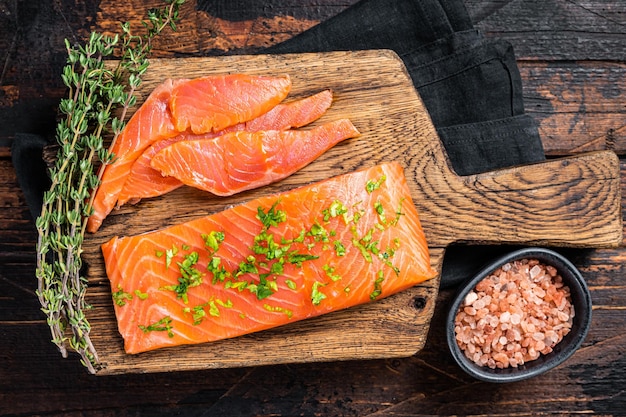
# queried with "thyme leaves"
point(95, 92)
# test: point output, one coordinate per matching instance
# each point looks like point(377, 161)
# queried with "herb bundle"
point(98, 99)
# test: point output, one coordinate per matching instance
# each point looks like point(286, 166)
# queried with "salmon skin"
point(345, 241)
point(170, 106)
point(240, 161)
point(145, 181)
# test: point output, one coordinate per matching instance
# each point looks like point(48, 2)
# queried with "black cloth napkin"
point(470, 86)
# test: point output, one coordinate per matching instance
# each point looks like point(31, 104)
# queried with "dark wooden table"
point(572, 57)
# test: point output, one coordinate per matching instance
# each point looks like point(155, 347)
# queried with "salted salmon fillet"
point(345, 241)
point(170, 106)
point(145, 181)
point(151, 122)
point(228, 99)
point(239, 161)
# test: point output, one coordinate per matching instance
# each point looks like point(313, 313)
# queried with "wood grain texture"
point(35, 380)
point(572, 59)
point(569, 202)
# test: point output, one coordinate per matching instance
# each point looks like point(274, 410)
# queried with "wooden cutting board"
point(566, 202)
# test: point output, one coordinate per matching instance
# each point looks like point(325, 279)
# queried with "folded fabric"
point(492, 144)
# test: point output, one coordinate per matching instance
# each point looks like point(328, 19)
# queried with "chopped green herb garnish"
point(225, 304)
point(198, 313)
point(219, 272)
point(330, 271)
point(273, 217)
point(363, 249)
point(238, 285)
point(278, 267)
point(399, 213)
point(190, 276)
point(277, 309)
point(300, 237)
point(378, 206)
point(318, 232)
point(169, 255)
point(290, 284)
point(213, 240)
point(263, 288)
point(264, 244)
point(336, 209)
point(297, 258)
point(378, 286)
point(316, 295)
point(163, 325)
point(340, 249)
point(372, 185)
point(213, 310)
point(120, 297)
point(141, 295)
point(247, 267)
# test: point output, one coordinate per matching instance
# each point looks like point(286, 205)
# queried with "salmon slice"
point(151, 122)
point(228, 99)
point(214, 101)
point(145, 181)
point(239, 161)
point(275, 260)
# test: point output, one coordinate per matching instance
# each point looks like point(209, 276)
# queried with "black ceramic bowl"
point(581, 299)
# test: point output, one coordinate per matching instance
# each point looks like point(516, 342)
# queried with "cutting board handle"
point(573, 201)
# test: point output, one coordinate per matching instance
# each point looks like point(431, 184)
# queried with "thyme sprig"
point(95, 93)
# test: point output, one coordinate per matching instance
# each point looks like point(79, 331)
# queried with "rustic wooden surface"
point(572, 201)
point(572, 56)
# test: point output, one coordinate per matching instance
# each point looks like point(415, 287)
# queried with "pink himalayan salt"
point(520, 311)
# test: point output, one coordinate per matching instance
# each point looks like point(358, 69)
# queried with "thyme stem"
point(94, 92)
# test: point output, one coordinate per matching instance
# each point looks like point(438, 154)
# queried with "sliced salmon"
point(151, 122)
point(275, 260)
point(228, 99)
point(145, 181)
point(240, 161)
point(208, 103)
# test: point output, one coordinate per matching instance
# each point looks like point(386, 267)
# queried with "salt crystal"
point(505, 317)
point(522, 309)
point(470, 298)
point(471, 311)
point(539, 336)
point(534, 272)
point(540, 345)
point(563, 316)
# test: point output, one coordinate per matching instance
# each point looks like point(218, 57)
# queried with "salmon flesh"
point(240, 161)
point(327, 246)
point(145, 181)
point(202, 105)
